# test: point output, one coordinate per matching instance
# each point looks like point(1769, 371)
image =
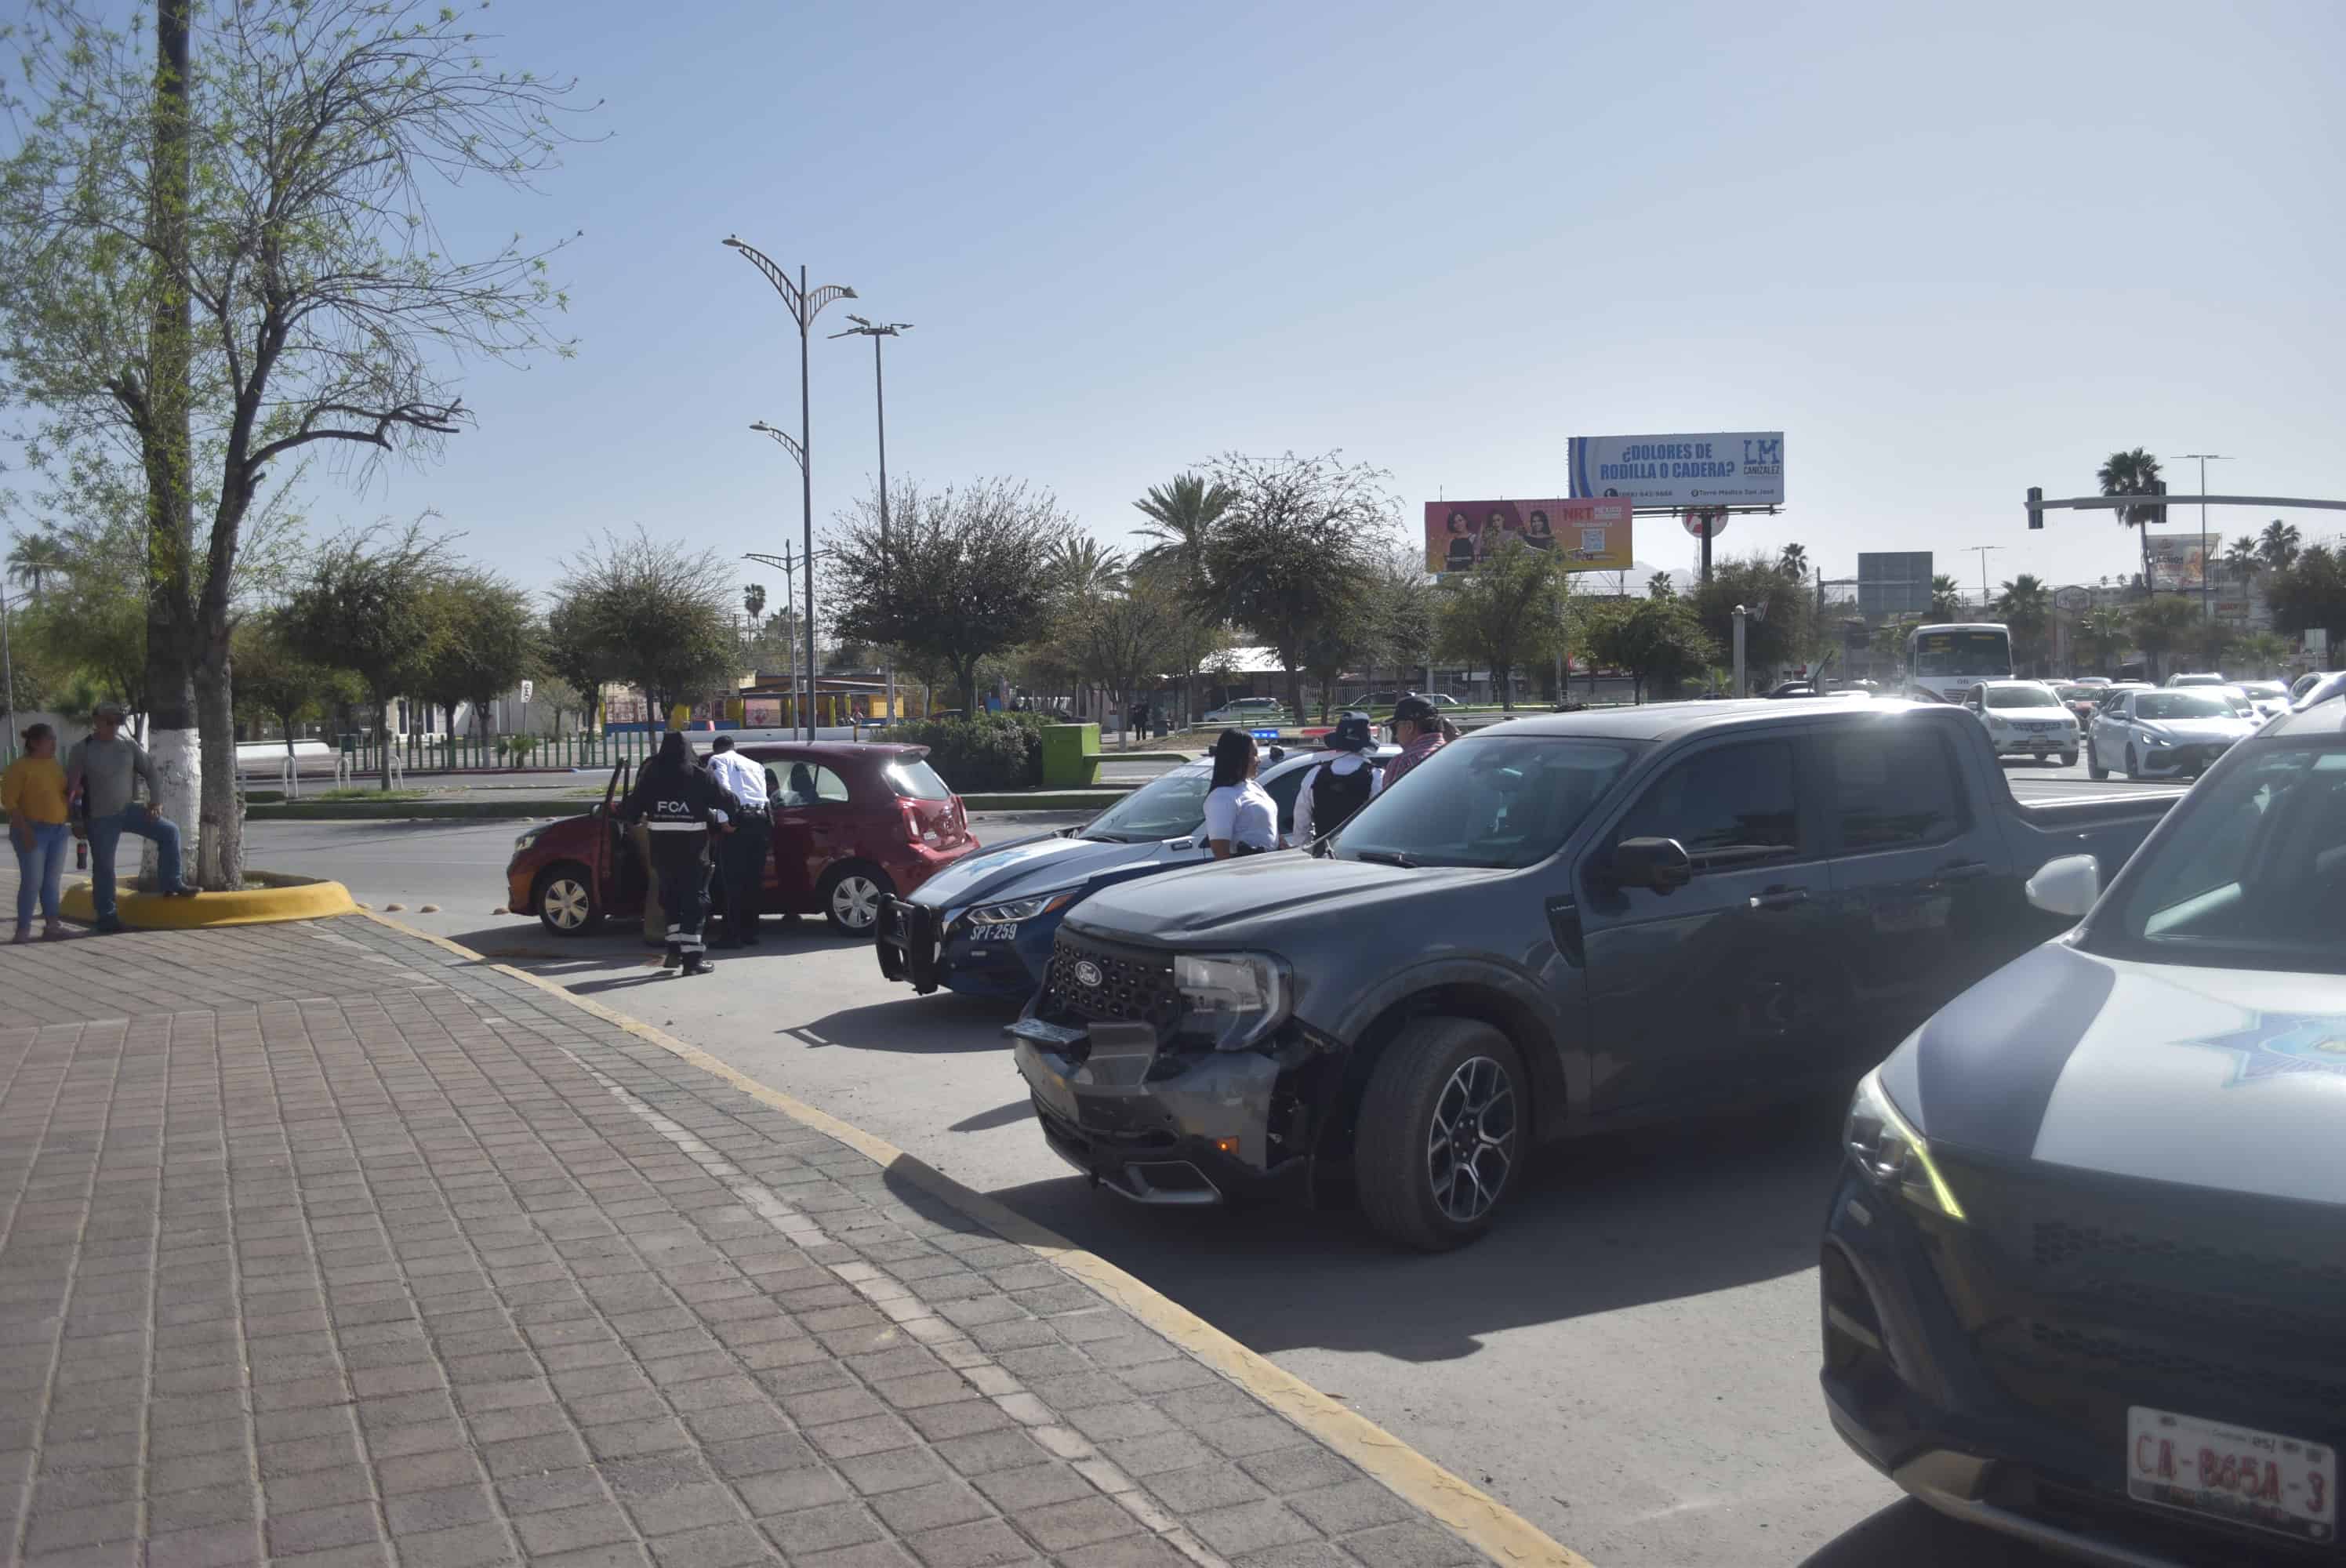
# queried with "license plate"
point(2283, 1484)
point(994, 932)
point(1045, 1032)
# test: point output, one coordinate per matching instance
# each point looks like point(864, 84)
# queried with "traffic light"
point(2157, 515)
point(2036, 506)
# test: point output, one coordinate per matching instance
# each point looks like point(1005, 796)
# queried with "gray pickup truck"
point(1555, 926)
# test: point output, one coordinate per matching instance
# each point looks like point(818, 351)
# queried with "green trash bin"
point(1071, 756)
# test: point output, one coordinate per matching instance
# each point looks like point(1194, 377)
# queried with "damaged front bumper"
point(1158, 1126)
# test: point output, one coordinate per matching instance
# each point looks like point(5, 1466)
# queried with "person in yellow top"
point(33, 793)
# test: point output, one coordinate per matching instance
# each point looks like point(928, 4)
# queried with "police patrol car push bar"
point(2037, 506)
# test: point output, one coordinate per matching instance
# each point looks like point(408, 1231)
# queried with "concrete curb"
point(281, 898)
point(1477, 1517)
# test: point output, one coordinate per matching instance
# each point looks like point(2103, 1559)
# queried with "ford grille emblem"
point(1088, 973)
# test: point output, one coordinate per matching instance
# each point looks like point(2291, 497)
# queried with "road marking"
point(1481, 1520)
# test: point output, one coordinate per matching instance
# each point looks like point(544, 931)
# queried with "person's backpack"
point(1336, 796)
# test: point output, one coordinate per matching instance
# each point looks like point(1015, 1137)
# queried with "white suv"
point(2025, 718)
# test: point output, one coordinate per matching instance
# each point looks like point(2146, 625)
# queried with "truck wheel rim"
point(566, 904)
point(856, 901)
point(1470, 1146)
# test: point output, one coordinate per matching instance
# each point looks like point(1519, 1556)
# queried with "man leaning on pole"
point(107, 769)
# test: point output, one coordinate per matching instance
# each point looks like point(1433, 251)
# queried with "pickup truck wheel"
point(2094, 768)
point(1443, 1130)
point(565, 900)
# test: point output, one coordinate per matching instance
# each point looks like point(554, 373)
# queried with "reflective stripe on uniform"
point(678, 826)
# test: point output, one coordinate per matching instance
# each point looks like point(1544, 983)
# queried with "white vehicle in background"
point(2269, 697)
point(1944, 662)
point(2024, 719)
point(2165, 733)
point(2196, 677)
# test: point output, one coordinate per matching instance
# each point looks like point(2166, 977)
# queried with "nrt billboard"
point(1588, 535)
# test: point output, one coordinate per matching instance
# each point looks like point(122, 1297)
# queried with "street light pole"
point(2207, 610)
point(875, 332)
point(1983, 550)
point(804, 306)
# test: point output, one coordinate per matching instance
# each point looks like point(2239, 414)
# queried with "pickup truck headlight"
point(527, 839)
point(1016, 909)
point(1891, 1154)
point(1230, 1000)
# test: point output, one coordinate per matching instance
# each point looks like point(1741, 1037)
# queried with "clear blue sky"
point(1950, 251)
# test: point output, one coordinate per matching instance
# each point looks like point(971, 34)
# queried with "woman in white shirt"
point(1242, 819)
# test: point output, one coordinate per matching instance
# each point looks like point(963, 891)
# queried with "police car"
point(2084, 1276)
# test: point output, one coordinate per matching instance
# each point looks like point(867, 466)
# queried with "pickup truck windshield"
point(1171, 806)
point(2251, 874)
point(2021, 696)
point(1495, 801)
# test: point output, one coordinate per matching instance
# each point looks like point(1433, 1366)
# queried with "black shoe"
point(110, 926)
point(675, 956)
point(697, 965)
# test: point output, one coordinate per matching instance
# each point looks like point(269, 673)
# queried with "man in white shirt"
point(741, 854)
point(1341, 786)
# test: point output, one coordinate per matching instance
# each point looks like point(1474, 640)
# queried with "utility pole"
point(2207, 608)
point(1983, 550)
point(864, 329)
point(804, 306)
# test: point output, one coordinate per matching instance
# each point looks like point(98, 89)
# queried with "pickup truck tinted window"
point(1893, 785)
point(1730, 805)
point(1486, 801)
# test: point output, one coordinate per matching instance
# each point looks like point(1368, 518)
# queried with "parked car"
point(2083, 1272)
point(853, 824)
point(1553, 926)
point(2164, 733)
point(986, 926)
point(2270, 698)
point(2090, 681)
point(2304, 684)
point(2024, 719)
point(2083, 701)
point(2196, 677)
point(1246, 711)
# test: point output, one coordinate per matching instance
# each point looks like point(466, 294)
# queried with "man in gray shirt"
point(106, 767)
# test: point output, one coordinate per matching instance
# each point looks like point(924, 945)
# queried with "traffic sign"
point(1698, 523)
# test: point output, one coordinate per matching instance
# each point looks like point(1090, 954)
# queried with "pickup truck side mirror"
point(1660, 864)
point(2067, 886)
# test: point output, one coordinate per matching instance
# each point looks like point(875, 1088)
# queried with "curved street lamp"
point(875, 330)
point(804, 306)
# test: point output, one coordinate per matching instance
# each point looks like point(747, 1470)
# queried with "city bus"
point(1946, 661)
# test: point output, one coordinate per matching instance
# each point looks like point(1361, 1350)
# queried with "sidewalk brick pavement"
point(321, 1244)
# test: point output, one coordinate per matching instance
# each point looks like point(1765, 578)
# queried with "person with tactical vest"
point(677, 799)
point(1341, 786)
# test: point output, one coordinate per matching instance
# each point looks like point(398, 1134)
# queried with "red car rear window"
point(916, 781)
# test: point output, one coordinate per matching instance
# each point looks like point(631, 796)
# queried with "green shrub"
point(973, 755)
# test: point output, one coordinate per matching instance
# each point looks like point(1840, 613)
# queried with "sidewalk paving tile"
point(322, 1242)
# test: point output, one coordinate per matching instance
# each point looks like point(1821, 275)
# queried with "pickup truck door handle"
point(1779, 898)
point(1962, 871)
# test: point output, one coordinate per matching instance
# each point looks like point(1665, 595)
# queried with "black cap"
point(1354, 732)
point(1413, 709)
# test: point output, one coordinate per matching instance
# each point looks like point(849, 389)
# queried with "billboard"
point(2176, 564)
point(1738, 469)
point(1589, 535)
point(1893, 582)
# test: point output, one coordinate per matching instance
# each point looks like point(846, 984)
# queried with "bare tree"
point(652, 612)
point(222, 256)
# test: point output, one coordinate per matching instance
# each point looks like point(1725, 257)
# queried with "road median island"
point(269, 898)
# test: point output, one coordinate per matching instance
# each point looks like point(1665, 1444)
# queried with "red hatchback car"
point(852, 824)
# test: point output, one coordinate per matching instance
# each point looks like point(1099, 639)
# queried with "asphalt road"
point(1628, 1360)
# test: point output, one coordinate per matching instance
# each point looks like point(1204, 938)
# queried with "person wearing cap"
point(107, 767)
point(1335, 789)
point(1417, 729)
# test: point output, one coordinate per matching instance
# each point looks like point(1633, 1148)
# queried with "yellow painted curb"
point(1479, 1519)
point(286, 898)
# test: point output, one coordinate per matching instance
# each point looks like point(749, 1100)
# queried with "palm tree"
point(2135, 472)
point(34, 557)
point(2242, 556)
point(1660, 586)
point(2026, 606)
point(1795, 561)
point(1086, 566)
point(1181, 517)
point(1946, 598)
point(753, 600)
point(2276, 545)
point(2103, 633)
point(2264, 652)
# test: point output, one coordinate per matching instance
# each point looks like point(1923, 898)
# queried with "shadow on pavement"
point(1912, 1536)
point(923, 1025)
point(1000, 1117)
point(1605, 1224)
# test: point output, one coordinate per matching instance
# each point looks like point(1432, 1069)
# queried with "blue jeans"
point(106, 832)
point(39, 868)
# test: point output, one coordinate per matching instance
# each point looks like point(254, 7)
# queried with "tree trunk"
point(1503, 676)
point(1295, 692)
point(219, 842)
point(383, 738)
